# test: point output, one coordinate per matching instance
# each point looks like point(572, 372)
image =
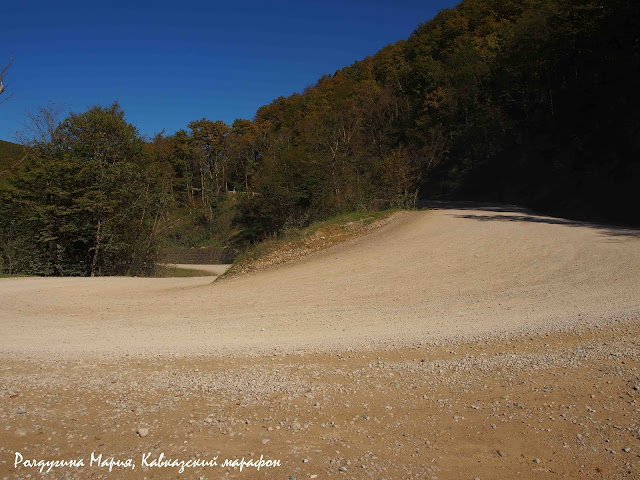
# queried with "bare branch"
point(41, 124)
point(2, 75)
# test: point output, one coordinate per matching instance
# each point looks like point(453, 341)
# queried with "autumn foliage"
point(524, 101)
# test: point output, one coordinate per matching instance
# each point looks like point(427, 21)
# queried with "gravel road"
point(425, 276)
point(449, 344)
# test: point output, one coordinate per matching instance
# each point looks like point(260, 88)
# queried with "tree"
point(244, 143)
point(209, 140)
point(41, 124)
point(89, 202)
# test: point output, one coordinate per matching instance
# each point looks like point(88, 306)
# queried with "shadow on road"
point(513, 213)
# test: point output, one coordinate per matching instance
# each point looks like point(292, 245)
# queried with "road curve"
point(459, 271)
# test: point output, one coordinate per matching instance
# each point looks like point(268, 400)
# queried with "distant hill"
point(10, 153)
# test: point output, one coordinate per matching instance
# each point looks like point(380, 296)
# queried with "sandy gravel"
point(564, 405)
point(491, 344)
point(423, 277)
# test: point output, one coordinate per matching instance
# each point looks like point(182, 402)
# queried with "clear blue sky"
point(170, 63)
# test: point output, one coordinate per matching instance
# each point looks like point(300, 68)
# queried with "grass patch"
point(164, 271)
point(343, 220)
point(190, 228)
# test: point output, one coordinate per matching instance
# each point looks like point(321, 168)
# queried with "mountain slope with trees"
point(521, 101)
point(10, 156)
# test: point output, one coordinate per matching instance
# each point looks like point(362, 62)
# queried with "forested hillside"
point(524, 101)
point(10, 156)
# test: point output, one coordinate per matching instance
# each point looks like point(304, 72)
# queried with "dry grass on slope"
point(296, 244)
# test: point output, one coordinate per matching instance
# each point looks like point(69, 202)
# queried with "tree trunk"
point(96, 251)
point(415, 198)
point(204, 201)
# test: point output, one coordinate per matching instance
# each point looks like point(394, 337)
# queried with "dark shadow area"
point(524, 215)
point(471, 205)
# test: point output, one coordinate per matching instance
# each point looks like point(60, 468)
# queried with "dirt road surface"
point(455, 343)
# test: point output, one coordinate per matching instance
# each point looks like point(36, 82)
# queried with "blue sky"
point(170, 63)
